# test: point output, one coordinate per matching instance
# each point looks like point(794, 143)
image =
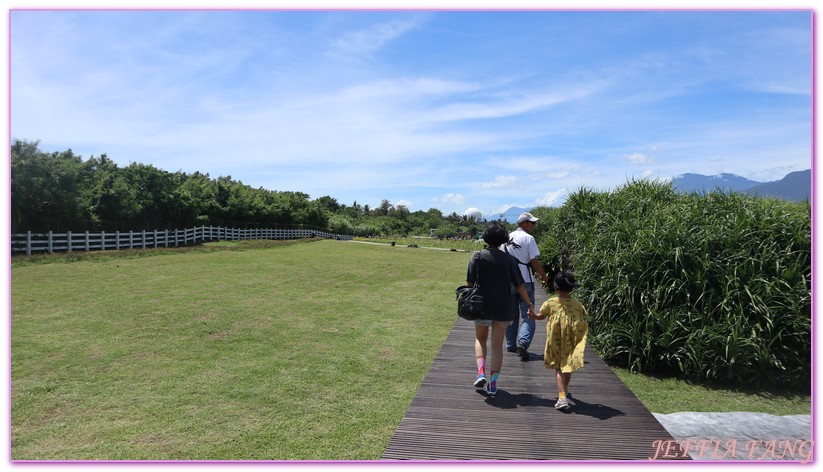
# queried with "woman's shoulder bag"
point(470, 303)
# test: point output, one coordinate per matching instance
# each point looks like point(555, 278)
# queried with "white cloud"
point(407, 88)
point(560, 174)
point(452, 199)
point(328, 108)
point(553, 198)
point(638, 158)
point(501, 181)
point(513, 105)
point(537, 167)
point(522, 163)
point(367, 41)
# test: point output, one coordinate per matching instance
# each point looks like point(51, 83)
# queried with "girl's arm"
point(539, 315)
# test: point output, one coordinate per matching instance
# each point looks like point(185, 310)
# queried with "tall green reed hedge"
point(710, 287)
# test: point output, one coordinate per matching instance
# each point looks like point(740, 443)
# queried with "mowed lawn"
point(306, 351)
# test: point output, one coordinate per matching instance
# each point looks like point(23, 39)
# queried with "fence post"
point(198, 234)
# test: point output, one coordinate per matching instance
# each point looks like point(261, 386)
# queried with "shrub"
point(707, 287)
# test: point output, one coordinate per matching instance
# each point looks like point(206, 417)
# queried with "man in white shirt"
point(523, 247)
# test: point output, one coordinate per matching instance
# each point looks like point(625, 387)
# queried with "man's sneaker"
point(522, 352)
point(570, 399)
point(562, 404)
point(480, 381)
point(491, 389)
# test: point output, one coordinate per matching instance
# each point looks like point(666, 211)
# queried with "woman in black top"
point(496, 272)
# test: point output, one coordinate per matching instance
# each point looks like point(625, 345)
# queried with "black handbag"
point(470, 303)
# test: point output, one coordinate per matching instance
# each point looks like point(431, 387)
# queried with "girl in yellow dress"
point(566, 331)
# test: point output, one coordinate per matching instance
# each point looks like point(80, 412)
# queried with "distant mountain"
point(510, 215)
point(688, 183)
point(796, 186)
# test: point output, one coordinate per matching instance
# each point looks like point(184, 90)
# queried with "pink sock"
point(481, 365)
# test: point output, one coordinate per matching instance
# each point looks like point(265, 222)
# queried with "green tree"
point(45, 189)
point(329, 204)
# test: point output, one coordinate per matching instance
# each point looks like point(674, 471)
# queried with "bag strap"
point(476, 262)
point(528, 267)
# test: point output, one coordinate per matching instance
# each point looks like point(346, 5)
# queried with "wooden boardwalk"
point(449, 419)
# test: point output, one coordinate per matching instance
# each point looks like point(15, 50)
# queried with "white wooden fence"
point(30, 243)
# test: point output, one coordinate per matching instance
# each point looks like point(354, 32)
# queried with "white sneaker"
point(562, 404)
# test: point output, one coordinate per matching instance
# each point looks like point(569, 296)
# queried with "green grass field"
point(239, 351)
point(309, 351)
point(670, 395)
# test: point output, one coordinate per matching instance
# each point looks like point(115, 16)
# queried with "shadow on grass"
point(669, 394)
point(767, 392)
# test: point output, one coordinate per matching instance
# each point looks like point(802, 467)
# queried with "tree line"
point(62, 191)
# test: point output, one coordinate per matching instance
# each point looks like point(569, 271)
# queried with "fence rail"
point(31, 243)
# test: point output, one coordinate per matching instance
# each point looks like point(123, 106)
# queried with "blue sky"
point(424, 108)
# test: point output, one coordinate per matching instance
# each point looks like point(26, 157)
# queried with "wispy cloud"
point(501, 181)
point(408, 89)
point(373, 38)
point(492, 107)
point(411, 106)
point(522, 163)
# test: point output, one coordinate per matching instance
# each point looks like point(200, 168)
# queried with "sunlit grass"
point(309, 351)
point(248, 351)
point(670, 395)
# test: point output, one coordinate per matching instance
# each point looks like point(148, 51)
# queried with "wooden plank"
point(449, 419)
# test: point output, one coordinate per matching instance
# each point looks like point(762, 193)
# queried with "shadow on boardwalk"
point(449, 419)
